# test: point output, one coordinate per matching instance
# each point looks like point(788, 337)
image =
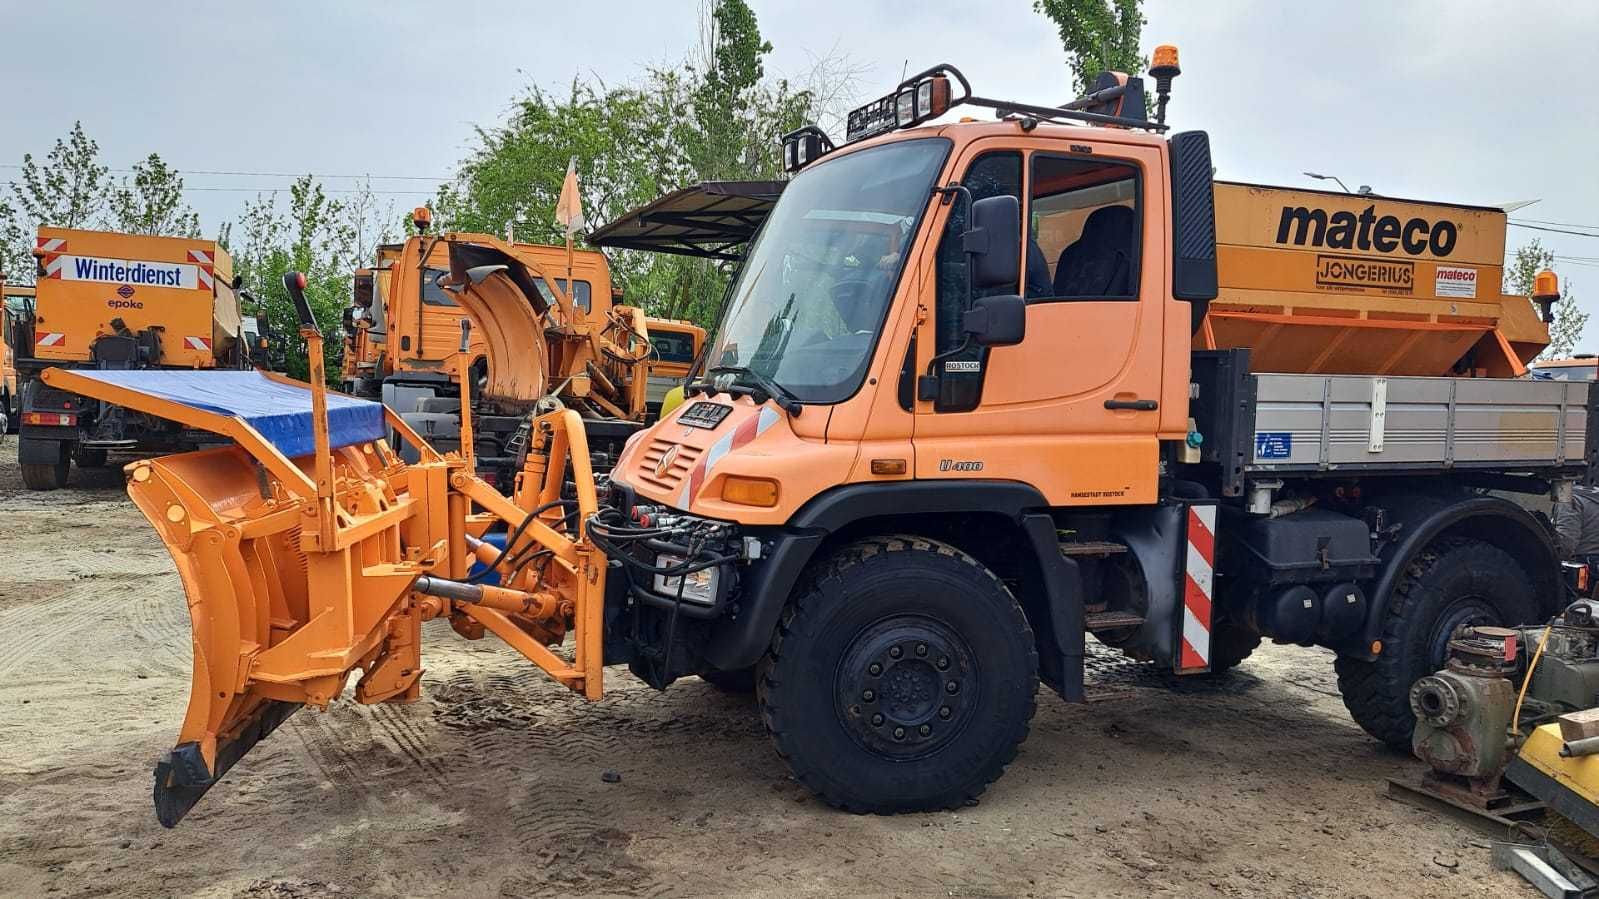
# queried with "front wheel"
point(901, 678)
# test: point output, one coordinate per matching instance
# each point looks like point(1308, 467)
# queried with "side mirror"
point(994, 242)
point(996, 320)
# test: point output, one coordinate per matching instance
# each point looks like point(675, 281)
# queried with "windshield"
point(810, 298)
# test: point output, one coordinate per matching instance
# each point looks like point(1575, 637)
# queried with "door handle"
point(1135, 405)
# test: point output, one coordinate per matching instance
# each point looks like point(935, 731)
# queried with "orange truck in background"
point(675, 345)
point(403, 333)
point(402, 345)
point(16, 330)
point(119, 301)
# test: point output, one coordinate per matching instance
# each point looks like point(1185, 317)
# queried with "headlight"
point(698, 587)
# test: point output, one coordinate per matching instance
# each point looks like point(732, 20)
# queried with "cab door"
point(1074, 408)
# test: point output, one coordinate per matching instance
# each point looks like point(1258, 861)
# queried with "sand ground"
point(1256, 785)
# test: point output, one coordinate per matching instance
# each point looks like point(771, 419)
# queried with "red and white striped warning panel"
point(1198, 588)
point(50, 250)
point(202, 344)
point(206, 267)
point(748, 430)
point(50, 338)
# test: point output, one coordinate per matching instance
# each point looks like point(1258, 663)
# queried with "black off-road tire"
point(1450, 583)
point(45, 476)
point(902, 677)
point(738, 681)
point(1230, 645)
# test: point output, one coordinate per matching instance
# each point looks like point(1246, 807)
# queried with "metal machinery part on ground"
point(309, 550)
point(113, 302)
point(537, 343)
point(1519, 705)
point(955, 420)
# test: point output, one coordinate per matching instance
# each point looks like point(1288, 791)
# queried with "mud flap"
point(181, 776)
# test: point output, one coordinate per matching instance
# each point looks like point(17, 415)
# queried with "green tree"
point(717, 116)
point(1569, 321)
point(66, 190)
point(311, 233)
point(151, 202)
point(1099, 35)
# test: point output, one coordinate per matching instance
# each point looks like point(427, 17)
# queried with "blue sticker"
point(1273, 444)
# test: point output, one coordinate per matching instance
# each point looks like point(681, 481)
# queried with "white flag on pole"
point(569, 209)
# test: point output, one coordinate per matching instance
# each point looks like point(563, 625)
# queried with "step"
point(1110, 621)
point(1091, 548)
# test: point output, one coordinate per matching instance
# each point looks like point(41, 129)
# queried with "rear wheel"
point(902, 677)
point(90, 458)
point(45, 476)
point(1452, 583)
point(1230, 645)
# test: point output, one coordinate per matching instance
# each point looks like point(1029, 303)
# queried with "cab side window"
point(961, 381)
point(1084, 225)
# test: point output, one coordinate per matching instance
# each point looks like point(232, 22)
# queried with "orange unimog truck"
point(983, 388)
point(119, 302)
point(16, 331)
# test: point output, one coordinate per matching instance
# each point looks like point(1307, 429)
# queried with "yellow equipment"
point(1568, 783)
point(309, 549)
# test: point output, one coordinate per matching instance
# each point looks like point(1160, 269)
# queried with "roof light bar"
point(918, 98)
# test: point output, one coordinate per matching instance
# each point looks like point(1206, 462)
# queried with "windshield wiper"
point(765, 388)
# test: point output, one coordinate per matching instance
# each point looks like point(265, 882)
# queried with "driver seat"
point(1099, 263)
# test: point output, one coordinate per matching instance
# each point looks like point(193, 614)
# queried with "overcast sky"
point(1469, 101)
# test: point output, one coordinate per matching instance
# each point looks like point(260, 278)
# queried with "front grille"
point(674, 473)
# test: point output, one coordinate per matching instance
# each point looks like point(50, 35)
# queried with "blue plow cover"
point(279, 412)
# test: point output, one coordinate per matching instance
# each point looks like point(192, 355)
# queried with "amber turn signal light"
point(750, 491)
point(888, 466)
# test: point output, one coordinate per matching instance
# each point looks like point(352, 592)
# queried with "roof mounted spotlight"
point(804, 146)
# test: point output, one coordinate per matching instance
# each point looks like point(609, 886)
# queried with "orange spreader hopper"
point(1317, 282)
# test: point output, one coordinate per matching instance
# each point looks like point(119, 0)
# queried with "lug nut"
point(944, 712)
point(924, 730)
point(875, 669)
point(921, 649)
point(877, 720)
point(899, 733)
point(869, 695)
point(896, 652)
point(952, 687)
point(943, 664)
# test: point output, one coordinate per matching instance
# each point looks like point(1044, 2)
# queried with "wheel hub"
point(903, 686)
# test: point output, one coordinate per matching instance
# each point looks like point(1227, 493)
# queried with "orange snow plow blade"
point(304, 568)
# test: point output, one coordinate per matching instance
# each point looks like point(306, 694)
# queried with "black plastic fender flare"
point(1489, 518)
point(738, 641)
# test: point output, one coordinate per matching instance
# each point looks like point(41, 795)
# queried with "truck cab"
point(962, 410)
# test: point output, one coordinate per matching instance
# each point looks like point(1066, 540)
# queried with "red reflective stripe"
point(1200, 537)
point(1190, 658)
